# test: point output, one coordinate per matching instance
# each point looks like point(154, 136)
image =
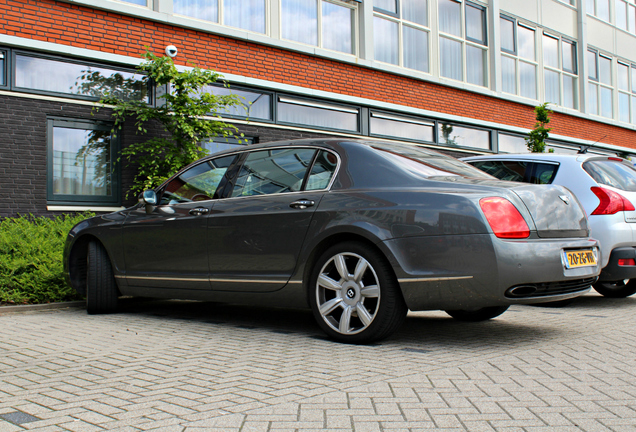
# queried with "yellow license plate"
point(580, 258)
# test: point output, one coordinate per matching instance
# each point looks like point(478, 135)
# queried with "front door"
point(167, 247)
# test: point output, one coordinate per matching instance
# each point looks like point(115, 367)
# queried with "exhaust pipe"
point(522, 291)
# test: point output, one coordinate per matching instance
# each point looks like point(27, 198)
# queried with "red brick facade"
point(82, 27)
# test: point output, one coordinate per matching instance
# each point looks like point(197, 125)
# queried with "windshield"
point(421, 161)
point(612, 173)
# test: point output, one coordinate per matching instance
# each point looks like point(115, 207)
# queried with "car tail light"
point(626, 262)
point(611, 202)
point(504, 218)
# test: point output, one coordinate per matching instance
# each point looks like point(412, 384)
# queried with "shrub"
point(31, 269)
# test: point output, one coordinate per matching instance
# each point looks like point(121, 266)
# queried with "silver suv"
point(605, 186)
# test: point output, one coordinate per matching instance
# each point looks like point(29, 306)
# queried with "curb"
point(6, 310)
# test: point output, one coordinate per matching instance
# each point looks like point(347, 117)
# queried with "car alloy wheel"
point(355, 296)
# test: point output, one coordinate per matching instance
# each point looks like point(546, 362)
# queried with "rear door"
point(256, 232)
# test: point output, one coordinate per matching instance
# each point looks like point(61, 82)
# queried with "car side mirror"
point(149, 198)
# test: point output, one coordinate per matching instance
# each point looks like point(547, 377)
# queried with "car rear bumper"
point(613, 271)
point(488, 268)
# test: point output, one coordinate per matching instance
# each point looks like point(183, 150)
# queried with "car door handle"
point(198, 211)
point(302, 204)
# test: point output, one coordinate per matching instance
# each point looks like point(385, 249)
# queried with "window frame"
point(272, 105)
point(313, 103)
point(465, 42)
point(401, 22)
point(404, 119)
point(599, 85)
point(561, 71)
point(6, 56)
point(150, 99)
point(518, 59)
point(82, 124)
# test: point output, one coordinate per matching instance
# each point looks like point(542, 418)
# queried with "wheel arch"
point(78, 262)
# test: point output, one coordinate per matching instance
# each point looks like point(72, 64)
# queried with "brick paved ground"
point(186, 366)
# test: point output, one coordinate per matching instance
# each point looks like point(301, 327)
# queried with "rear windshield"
point(612, 173)
point(429, 163)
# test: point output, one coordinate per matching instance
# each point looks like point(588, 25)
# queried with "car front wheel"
point(354, 294)
point(482, 314)
point(101, 289)
point(616, 289)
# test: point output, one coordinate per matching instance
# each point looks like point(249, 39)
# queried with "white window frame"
point(514, 55)
point(561, 71)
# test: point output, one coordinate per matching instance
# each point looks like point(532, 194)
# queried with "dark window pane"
point(542, 173)
point(273, 171)
point(82, 162)
point(198, 183)
point(503, 170)
point(317, 114)
point(62, 77)
point(2, 66)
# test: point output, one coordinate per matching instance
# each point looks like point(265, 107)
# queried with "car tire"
point(354, 294)
point(616, 289)
point(101, 288)
point(482, 314)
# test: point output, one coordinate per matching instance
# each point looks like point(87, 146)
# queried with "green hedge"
point(31, 269)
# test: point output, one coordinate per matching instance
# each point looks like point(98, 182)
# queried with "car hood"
point(555, 211)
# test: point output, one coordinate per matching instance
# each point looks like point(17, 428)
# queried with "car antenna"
point(584, 149)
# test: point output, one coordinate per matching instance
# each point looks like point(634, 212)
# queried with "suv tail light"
point(611, 202)
point(504, 218)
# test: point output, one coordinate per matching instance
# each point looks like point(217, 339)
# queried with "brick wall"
point(83, 27)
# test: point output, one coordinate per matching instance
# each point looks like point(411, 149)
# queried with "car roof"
point(544, 157)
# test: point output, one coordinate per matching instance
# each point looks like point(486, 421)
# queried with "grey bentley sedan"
point(360, 231)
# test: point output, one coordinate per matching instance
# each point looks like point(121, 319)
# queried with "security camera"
point(171, 51)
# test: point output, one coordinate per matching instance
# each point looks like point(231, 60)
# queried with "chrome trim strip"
point(249, 280)
point(203, 280)
point(433, 279)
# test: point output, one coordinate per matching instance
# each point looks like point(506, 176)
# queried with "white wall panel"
point(560, 18)
point(626, 45)
point(526, 9)
point(600, 34)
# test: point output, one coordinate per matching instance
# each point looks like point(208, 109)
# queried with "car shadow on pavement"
point(434, 329)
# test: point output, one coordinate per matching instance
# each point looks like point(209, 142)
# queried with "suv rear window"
point(612, 173)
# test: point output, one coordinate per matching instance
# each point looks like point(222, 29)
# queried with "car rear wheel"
point(482, 314)
point(354, 294)
point(616, 289)
point(101, 289)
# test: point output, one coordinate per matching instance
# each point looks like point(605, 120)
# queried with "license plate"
point(580, 258)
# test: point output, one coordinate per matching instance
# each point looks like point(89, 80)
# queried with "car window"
point(541, 173)
point(421, 161)
point(273, 171)
point(503, 170)
point(612, 173)
point(198, 183)
point(322, 171)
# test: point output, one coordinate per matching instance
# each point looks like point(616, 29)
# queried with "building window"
point(80, 162)
point(459, 136)
point(518, 59)
point(78, 79)
point(3, 68)
point(322, 23)
point(599, 8)
point(599, 84)
point(512, 144)
point(560, 69)
point(463, 43)
point(137, 2)
point(322, 115)
point(626, 15)
point(389, 125)
point(244, 14)
point(401, 33)
point(254, 105)
point(217, 144)
point(626, 92)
